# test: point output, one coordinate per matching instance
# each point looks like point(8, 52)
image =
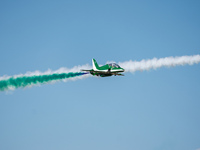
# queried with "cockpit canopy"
point(114, 65)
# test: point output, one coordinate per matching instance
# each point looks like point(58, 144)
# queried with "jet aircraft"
point(106, 70)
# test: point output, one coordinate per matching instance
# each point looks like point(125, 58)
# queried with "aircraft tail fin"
point(94, 64)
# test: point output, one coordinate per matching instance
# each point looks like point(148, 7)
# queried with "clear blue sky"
point(154, 110)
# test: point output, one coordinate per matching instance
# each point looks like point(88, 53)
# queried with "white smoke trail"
point(129, 66)
point(132, 66)
point(49, 71)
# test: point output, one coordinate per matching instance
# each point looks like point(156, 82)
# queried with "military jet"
point(106, 70)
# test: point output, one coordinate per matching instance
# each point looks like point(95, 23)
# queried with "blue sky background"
point(154, 110)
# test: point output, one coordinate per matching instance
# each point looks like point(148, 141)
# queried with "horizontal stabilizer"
point(86, 70)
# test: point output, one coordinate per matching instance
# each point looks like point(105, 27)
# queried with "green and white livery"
point(106, 70)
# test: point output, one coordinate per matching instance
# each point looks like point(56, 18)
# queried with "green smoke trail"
point(23, 81)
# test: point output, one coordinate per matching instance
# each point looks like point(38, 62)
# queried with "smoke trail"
point(64, 74)
point(132, 66)
point(36, 78)
point(13, 83)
